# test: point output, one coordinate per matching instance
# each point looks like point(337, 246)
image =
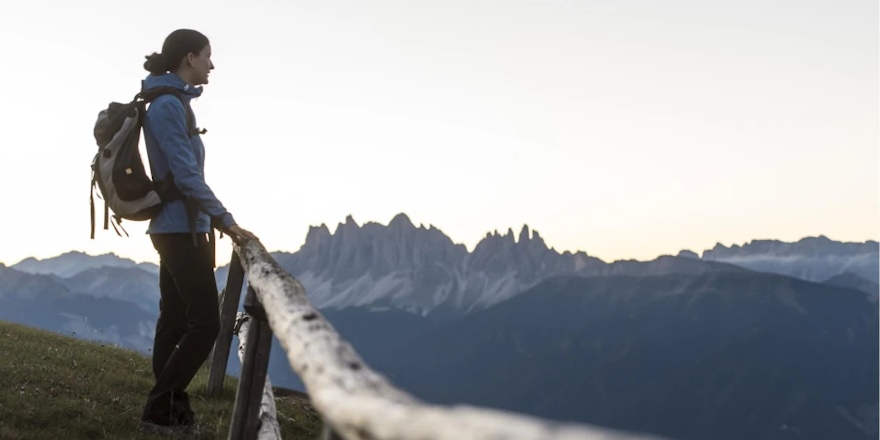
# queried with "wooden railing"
point(354, 401)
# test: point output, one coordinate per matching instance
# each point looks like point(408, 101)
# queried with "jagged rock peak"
point(349, 224)
point(401, 220)
point(525, 238)
point(321, 229)
point(688, 254)
point(524, 234)
point(317, 234)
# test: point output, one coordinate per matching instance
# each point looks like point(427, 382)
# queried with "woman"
point(189, 318)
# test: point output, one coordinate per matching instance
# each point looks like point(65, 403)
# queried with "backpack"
point(118, 171)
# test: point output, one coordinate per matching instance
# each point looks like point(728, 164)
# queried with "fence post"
point(220, 353)
point(245, 422)
point(268, 413)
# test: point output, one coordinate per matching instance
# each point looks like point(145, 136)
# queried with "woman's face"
point(202, 65)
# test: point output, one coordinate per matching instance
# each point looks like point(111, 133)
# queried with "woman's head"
point(186, 53)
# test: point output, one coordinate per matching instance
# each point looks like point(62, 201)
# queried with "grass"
point(57, 387)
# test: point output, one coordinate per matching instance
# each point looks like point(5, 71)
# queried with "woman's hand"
point(238, 234)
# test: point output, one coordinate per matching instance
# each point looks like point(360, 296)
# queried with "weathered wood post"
point(245, 414)
point(220, 353)
point(268, 415)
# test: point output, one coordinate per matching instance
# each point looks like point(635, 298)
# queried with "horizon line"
point(510, 232)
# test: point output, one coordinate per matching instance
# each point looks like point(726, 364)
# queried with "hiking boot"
point(181, 410)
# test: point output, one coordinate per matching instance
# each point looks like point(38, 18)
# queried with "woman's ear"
point(191, 59)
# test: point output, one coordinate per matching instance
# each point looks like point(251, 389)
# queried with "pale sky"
point(624, 128)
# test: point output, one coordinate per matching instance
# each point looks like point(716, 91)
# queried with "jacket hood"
point(170, 80)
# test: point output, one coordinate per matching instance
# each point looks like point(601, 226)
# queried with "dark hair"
point(177, 46)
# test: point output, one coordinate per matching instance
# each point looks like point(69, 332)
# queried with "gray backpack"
point(118, 172)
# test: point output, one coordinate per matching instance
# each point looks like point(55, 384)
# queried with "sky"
point(627, 129)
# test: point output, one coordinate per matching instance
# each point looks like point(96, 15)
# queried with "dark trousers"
point(188, 324)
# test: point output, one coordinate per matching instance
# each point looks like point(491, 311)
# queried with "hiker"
point(189, 315)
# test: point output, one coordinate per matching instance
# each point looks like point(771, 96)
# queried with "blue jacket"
point(172, 150)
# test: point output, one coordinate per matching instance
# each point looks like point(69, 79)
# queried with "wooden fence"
point(355, 402)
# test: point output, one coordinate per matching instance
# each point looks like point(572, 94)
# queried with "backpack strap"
point(92, 203)
point(150, 95)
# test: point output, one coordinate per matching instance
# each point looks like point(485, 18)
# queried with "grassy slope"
point(53, 386)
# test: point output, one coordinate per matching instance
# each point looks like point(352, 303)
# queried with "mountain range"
point(688, 346)
point(74, 262)
point(812, 258)
point(53, 303)
point(724, 355)
point(422, 270)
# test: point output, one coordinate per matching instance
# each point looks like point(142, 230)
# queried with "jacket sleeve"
point(167, 119)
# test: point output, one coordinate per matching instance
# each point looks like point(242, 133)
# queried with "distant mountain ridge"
point(131, 284)
point(421, 270)
point(807, 246)
point(71, 263)
point(811, 258)
point(45, 301)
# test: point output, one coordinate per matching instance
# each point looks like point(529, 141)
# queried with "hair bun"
point(156, 63)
